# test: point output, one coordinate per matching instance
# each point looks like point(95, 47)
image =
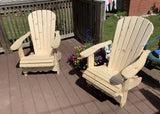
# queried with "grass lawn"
point(109, 27)
point(111, 22)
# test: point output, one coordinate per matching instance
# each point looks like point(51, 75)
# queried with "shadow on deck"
point(47, 93)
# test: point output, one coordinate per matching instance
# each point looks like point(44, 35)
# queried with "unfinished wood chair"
point(45, 42)
point(126, 60)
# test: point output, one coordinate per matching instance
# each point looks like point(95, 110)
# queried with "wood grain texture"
point(42, 26)
point(135, 67)
point(42, 23)
point(93, 49)
point(19, 42)
point(132, 33)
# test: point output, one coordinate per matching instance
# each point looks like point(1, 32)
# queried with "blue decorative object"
point(157, 51)
point(87, 33)
point(151, 57)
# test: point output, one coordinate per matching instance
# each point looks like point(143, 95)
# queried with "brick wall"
point(139, 7)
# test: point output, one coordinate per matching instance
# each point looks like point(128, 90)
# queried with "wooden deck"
point(47, 93)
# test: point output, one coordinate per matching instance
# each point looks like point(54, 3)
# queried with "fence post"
point(100, 21)
point(3, 37)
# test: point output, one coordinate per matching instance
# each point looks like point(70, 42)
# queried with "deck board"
point(5, 107)
point(49, 93)
point(50, 98)
point(63, 101)
point(38, 96)
point(79, 107)
point(142, 98)
point(139, 104)
point(131, 108)
point(27, 96)
point(90, 106)
point(15, 90)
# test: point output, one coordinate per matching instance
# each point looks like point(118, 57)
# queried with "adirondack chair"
point(126, 60)
point(45, 42)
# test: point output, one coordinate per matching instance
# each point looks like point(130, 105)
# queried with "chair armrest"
point(18, 42)
point(56, 41)
point(94, 48)
point(134, 68)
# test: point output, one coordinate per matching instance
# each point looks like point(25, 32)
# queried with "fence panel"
point(3, 38)
point(15, 23)
point(125, 6)
point(88, 20)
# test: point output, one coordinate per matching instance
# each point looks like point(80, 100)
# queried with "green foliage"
point(109, 27)
point(156, 23)
point(124, 13)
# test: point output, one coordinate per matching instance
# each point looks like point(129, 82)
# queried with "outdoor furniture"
point(151, 57)
point(45, 42)
point(126, 60)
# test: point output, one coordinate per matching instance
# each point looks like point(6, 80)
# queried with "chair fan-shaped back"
point(132, 33)
point(42, 27)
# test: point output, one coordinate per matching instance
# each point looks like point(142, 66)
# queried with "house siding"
point(139, 7)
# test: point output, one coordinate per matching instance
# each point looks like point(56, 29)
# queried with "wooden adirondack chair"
point(126, 60)
point(45, 42)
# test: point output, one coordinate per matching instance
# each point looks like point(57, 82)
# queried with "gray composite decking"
point(47, 93)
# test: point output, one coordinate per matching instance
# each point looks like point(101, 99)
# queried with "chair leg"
point(56, 62)
point(57, 72)
point(123, 99)
point(25, 73)
point(56, 68)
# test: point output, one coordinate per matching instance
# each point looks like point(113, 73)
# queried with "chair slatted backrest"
point(132, 33)
point(42, 27)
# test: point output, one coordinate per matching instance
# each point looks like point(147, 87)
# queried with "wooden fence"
point(14, 22)
point(126, 6)
point(88, 19)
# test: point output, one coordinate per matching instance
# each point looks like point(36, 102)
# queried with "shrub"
point(124, 13)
